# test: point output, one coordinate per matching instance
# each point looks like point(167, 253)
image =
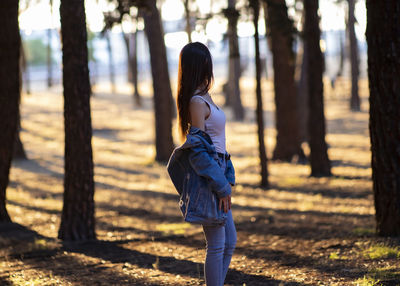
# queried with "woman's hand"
point(226, 202)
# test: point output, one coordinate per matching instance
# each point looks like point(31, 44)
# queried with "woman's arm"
point(199, 112)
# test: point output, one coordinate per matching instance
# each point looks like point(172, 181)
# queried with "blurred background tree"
point(281, 32)
point(234, 69)
point(355, 104)
point(319, 161)
point(163, 101)
point(255, 9)
point(19, 151)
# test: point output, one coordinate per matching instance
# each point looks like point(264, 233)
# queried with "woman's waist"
point(224, 155)
point(218, 141)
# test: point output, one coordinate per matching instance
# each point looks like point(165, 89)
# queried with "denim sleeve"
point(205, 166)
point(230, 172)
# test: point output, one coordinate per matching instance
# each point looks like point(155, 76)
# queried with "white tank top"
point(215, 125)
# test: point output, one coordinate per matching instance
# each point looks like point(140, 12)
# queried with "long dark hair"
point(195, 71)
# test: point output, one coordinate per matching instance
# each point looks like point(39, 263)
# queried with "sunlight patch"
point(174, 228)
point(382, 251)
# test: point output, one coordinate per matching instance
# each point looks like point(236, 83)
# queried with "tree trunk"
point(9, 93)
point(355, 71)
point(130, 41)
point(281, 30)
point(383, 38)
point(233, 90)
point(110, 62)
point(49, 52)
point(136, 94)
point(77, 220)
point(187, 18)
point(255, 5)
point(342, 57)
point(19, 152)
point(25, 81)
point(161, 84)
point(302, 99)
point(49, 61)
point(320, 164)
point(126, 40)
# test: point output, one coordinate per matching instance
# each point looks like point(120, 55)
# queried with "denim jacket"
point(196, 173)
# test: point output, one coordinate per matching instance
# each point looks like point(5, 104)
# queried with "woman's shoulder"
point(200, 100)
point(199, 104)
point(197, 99)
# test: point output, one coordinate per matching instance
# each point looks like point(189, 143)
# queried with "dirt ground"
point(301, 231)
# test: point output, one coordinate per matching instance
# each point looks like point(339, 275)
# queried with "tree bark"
point(19, 151)
point(355, 70)
point(383, 38)
point(161, 84)
point(9, 93)
point(320, 164)
point(255, 5)
point(233, 90)
point(280, 30)
point(77, 219)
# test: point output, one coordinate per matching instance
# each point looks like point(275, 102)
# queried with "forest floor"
point(301, 231)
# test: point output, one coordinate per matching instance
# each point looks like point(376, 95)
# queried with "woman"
point(201, 169)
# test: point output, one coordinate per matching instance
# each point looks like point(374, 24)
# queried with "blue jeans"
point(221, 241)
